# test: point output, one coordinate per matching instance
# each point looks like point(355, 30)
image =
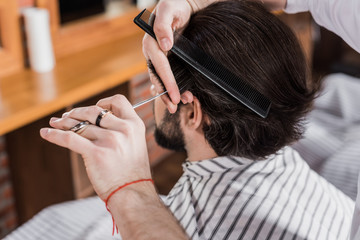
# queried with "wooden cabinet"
point(40, 171)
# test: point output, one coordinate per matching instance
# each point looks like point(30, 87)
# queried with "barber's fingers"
point(67, 139)
point(108, 121)
point(187, 97)
point(170, 15)
point(91, 114)
point(119, 105)
point(170, 106)
point(163, 26)
point(67, 123)
point(157, 88)
point(63, 123)
point(161, 64)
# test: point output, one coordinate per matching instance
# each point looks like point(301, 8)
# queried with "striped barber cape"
point(331, 144)
point(276, 198)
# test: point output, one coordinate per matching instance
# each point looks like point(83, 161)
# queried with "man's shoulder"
point(279, 191)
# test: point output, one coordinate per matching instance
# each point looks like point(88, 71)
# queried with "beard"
point(169, 134)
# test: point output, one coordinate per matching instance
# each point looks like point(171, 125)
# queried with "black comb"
point(206, 65)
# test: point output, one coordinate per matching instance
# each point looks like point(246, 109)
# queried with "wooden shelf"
point(28, 96)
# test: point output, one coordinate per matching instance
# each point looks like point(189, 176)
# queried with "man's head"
point(261, 50)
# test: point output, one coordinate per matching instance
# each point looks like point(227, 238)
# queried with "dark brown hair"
point(256, 46)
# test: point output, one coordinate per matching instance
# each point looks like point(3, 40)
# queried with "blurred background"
point(96, 51)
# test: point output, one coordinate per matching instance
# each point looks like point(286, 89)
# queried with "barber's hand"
point(114, 153)
point(170, 15)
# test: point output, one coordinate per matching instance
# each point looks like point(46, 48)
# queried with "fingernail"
point(172, 108)
point(183, 100)
point(175, 99)
point(54, 119)
point(44, 131)
point(65, 114)
point(165, 44)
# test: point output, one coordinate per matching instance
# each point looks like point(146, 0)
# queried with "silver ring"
point(80, 127)
point(101, 115)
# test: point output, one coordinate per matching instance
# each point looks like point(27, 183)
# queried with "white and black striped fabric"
point(277, 198)
point(332, 140)
point(85, 219)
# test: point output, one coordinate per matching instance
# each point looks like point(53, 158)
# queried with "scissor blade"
point(148, 100)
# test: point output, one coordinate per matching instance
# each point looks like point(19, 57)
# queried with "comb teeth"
point(211, 69)
point(222, 77)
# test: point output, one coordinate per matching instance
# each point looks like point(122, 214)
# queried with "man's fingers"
point(163, 28)
point(109, 121)
point(84, 113)
point(170, 106)
point(90, 114)
point(67, 139)
point(187, 97)
point(170, 15)
point(119, 105)
point(63, 123)
point(161, 64)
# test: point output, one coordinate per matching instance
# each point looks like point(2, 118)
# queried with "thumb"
point(163, 31)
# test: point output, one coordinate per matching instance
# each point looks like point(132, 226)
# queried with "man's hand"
point(114, 153)
point(170, 15)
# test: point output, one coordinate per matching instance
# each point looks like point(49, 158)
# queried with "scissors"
point(148, 100)
point(158, 95)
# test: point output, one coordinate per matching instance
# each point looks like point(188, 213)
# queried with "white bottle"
point(37, 28)
point(141, 4)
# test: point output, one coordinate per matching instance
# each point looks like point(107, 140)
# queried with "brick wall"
point(140, 90)
point(8, 219)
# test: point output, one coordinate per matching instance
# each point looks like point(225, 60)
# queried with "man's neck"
point(198, 148)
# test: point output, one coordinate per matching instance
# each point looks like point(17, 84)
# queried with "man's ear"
point(192, 114)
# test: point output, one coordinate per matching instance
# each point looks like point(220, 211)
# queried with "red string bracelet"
point(113, 192)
